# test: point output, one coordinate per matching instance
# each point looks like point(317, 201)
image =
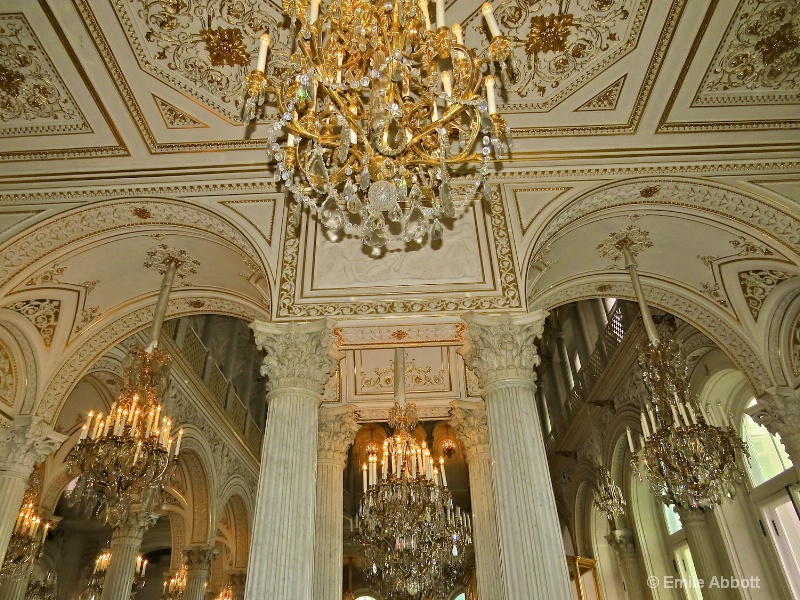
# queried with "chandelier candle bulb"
point(682, 411)
point(652, 418)
point(89, 419)
point(313, 11)
point(84, 431)
point(178, 443)
point(441, 467)
point(263, 47)
point(488, 14)
point(645, 427)
point(423, 6)
point(447, 84)
point(440, 14)
point(491, 100)
point(364, 477)
point(458, 33)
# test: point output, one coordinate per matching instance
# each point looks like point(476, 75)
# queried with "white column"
point(198, 563)
point(622, 541)
point(126, 540)
point(704, 553)
point(299, 362)
point(469, 422)
point(14, 588)
point(779, 411)
point(23, 443)
point(337, 430)
point(501, 351)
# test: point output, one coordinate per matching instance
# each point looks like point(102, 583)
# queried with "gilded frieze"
point(758, 60)
point(43, 314)
point(757, 284)
point(33, 98)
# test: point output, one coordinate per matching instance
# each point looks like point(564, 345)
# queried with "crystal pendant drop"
point(316, 171)
point(374, 235)
point(354, 204)
point(437, 232)
point(415, 225)
point(330, 214)
point(402, 188)
point(396, 213)
point(445, 201)
point(363, 179)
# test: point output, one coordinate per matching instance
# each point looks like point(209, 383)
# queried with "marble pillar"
point(23, 443)
point(500, 350)
point(337, 430)
point(198, 561)
point(126, 540)
point(469, 423)
point(300, 359)
point(779, 411)
point(622, 542)
point(14, 588)
point(704, 552)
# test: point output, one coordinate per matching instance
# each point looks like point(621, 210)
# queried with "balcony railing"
point(222, 391)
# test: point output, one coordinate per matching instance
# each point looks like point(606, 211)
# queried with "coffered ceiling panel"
point(48, 108)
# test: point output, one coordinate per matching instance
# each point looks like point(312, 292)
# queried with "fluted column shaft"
point(25, 442)
point(198, 563)
point(298, 363)
point(500, 349)
point(470, 424)
point(337, 429)
point(125, 544)
point(238, 580)
point(622, 541)
point(14, 588)
point(704, 553)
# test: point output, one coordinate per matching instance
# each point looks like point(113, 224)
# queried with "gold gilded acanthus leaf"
point(225, 46)
point(549, 33)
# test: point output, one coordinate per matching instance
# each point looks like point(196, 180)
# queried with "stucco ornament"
point(471, 427)
point(299, 355)
point(337, 431)
point(502, 347)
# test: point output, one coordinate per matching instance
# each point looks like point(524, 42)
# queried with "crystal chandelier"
point(94, 585)
point(42, 589)
point(689, 456)
point(380, 108)
point(226, 593)
point(608, 498)
point(175, 586)
point(27, 539)
point(414, 539)
point(125, 457)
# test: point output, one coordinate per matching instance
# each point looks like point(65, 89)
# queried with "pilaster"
point(623, 542)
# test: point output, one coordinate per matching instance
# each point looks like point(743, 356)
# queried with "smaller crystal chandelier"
point(379, 108)
point(448, 445)
point(27, 539)
point(94, 585)
point(226, 593)
point(414, 540)
point(608, 498)
point(690, 459)
point(175, 586)
point(44, 588)
point(125, 457)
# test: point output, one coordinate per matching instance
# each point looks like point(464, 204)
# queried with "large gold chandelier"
point(175, 586)
point(690, 458)
point(125, 457)
point(380, 106)
point(414, 539)
point(94, 585)
point(27, 539)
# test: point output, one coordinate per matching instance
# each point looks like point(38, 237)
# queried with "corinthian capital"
point(469, 421)
point(778, 410)
point(200, 557)
point(502, 346)
point(299, 355)
point(622, 541)
point(25, 442)
point(337, 430)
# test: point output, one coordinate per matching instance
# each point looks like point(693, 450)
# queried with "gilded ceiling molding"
point(758, 59)
point(757, 284)
point(782, 338)
point(713, 323)
point(23, 363)
point(76, 364)
point(43, 314)
point(55, 234)
point(711, 198)
point(175, 118)
point(605, 100)
point(35, 99)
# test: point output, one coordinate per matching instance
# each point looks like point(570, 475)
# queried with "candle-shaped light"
point(645, 427)
point(458, 33)
point(447, 83)
point(423, 6)
point(133, 409)
point(169, 446)
point(692, 415)
point(84, 431)
point(261, 65)
point(138, 450)
point(652, 418)
point(148, 424)
point(339, 61)
point(488, 14)
point(364, 476)
point(290, 141)
point(491, 100)
point(313, 11)
point(435, 475)
point(682, 412)
point(178, 443)
point(441, 469)
point(135, 421)
point(675, 421)
point(89, 418)
point(440, 14)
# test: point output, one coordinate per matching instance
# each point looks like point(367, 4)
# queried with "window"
point(461, 596)
point(609, 304)
point(686, 571)
point(365, 598)
point(674, 524)
point(767, 455)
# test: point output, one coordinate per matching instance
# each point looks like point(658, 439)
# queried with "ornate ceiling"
point(120, 129)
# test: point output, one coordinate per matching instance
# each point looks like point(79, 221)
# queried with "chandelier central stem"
point(647, 317)
point(400, 376)
point(161, 305)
